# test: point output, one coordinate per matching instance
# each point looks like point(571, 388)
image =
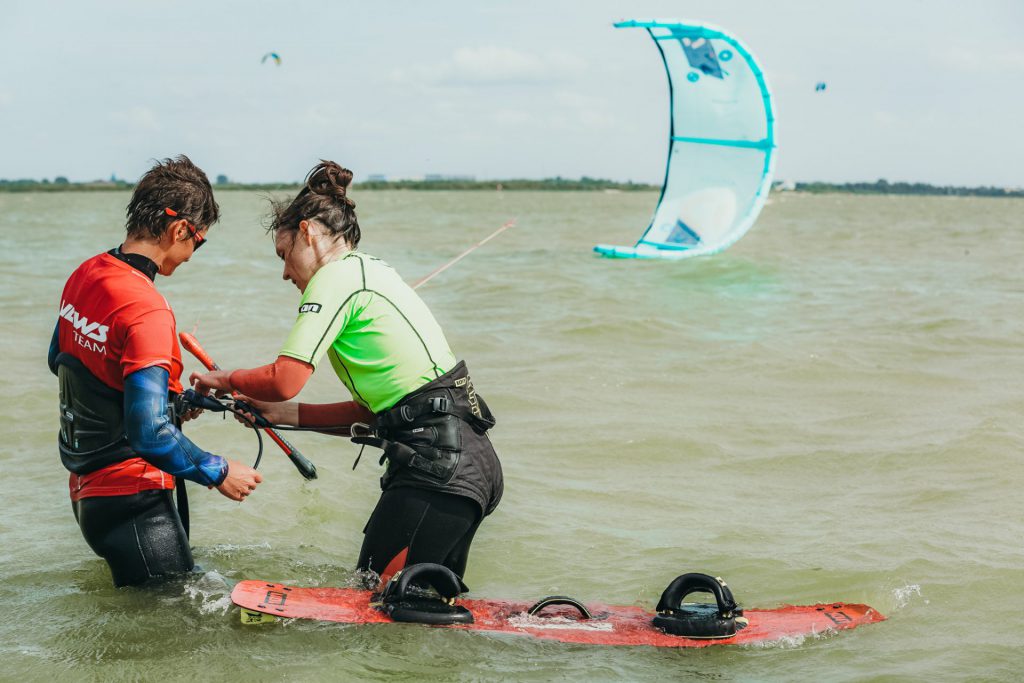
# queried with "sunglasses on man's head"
point(193, 231)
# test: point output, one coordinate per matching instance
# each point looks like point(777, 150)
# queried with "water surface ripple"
point(829, 411)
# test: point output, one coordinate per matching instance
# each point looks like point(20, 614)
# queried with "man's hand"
point(240, 482)
point(190, 414)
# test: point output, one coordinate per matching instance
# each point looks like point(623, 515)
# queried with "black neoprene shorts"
point(428, 526)
point(140, 536)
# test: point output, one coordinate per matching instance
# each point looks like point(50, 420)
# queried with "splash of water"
point(211, 591)
point(904, 594)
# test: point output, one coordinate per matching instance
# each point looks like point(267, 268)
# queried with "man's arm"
point(156, 439)
point(51, 356)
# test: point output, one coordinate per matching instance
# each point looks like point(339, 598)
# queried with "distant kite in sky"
point(820, 86)
point(272, 55)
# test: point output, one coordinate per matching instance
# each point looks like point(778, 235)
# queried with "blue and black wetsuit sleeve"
point(51, 356)
point(156, 439)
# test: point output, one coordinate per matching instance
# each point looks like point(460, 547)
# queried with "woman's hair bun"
point(323, 198)
point(330, 179)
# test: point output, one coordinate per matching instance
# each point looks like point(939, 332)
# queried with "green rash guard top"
point(382, 340)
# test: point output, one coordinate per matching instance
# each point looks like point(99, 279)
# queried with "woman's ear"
point(304, 230)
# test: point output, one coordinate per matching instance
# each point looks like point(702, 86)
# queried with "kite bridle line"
point(424, 280)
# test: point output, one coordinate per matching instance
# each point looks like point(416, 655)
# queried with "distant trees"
point(60, 184)
point(883, 186)
point(558, 183)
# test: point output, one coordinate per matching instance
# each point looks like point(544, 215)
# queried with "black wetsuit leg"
point(140, 536)
point(427, 526)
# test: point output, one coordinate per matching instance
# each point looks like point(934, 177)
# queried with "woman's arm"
point(334, 418)
point(278, 381)
point(327, 418)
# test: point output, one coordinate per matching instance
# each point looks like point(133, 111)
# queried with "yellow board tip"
point(251, 617)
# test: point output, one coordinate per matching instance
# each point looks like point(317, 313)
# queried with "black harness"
point(92, 434)
point(423, 431)
point(91, 419)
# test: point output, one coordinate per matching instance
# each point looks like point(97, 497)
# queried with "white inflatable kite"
point(721, 146)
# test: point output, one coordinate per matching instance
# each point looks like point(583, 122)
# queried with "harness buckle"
point(439, 404)
point(370, 431)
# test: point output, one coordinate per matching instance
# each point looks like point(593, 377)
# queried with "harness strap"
point(182, 499)
point(407, 414)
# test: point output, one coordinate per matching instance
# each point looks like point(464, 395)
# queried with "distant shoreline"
point(880, 187)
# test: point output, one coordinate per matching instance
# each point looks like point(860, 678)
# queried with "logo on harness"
point(467, 384)
point(309, 308)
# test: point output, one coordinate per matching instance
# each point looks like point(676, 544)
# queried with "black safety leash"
point(190, 398)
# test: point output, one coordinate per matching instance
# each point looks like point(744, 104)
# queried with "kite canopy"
point(721, 147)
point(271, 55)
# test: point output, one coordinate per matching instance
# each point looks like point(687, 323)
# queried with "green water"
point(829, 411)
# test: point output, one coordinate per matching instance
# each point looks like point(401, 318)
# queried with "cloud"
point(981, 60)
point(512, 117)
point(885, 119)
point(138, 118)
point(317, 116)
point(585, 110)
point(494, 65)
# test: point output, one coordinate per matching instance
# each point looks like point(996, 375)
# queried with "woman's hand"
point(218, 380)
point(283, 413)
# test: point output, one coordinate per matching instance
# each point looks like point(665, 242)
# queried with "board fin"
point(250, 617)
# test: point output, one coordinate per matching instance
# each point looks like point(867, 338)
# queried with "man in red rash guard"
point(115, 353)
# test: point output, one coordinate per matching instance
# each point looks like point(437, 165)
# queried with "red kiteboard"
point(607, 625)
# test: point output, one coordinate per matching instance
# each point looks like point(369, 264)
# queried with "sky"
point(918, 90)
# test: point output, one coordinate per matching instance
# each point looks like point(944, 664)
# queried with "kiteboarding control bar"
point(306, 468)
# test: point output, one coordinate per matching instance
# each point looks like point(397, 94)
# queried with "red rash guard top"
point(113, 319)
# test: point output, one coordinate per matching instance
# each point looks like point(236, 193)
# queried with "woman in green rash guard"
point(443, 476)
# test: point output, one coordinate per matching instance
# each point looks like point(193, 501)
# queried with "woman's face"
point(304, 251)
point(299, 260)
